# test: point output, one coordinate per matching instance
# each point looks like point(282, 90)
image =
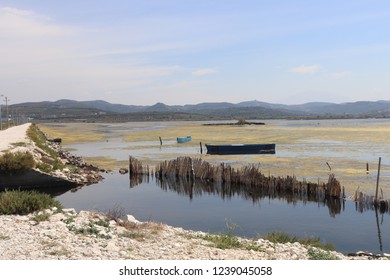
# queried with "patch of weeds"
point(41, 217)
point(155, 228)
point(223, 240)
point(58, 165)
point(49, 244)
point(69, 220)
point(39, 138)
point(229, 241)
point(61, 252)
point(4, 237)
point(89, 229)
point(19, 144)
point(139, 231)
point(282, 237)
point(44, 167)
point(132, 235)
point(316, 242)
point(101, 223)
point(317, 254)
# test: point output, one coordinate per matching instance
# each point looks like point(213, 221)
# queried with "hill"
point(99, 110)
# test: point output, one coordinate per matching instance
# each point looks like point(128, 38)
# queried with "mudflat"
point(308, 149)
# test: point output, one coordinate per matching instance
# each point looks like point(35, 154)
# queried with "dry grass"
point(141, 231)
point(73, 133)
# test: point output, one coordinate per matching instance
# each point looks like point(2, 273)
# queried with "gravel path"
point(13, 135)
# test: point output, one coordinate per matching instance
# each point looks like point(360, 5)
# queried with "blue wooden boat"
point(184, 139)
point(237, 149)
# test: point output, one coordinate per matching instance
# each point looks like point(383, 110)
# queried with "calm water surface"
point(212, 210)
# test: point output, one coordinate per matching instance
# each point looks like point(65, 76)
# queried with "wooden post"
point(201, 150)
point(367, 169)
point(377, 180)
point(130, 166)
point(160, 141)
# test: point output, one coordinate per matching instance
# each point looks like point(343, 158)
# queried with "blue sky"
point(188, 52)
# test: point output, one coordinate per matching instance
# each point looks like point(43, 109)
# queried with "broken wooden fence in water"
point(370, 202)
point(365, 202)
point(137, 171)
point(196, 168)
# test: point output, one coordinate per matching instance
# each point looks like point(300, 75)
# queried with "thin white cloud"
point(17, 23)
point(341, 75)
point(204, 71)
point(306, 69)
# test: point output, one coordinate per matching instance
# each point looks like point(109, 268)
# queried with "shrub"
point(13, 163)
point(44, 167)
point(315, 254)
point(281, 237)
point(17, 202)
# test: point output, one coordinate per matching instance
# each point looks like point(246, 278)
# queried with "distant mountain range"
point(105, 111)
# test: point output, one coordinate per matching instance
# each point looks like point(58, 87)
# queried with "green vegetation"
point(18, 202)
point(132, 235)
point(4, 237)
point(41, 217)
point(227, 240)
point(37, 136)
point(316, 254)
point(90, 229)
point(223, 240)
point(15, 163)
point(40, 140)
point(281, 237)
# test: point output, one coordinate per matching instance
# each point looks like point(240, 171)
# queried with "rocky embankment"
point(73, 172)
point(84, 174)
point(65, 234)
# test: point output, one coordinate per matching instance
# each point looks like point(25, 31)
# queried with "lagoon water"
point(210, 209)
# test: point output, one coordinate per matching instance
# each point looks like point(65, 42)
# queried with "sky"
point(192, 51)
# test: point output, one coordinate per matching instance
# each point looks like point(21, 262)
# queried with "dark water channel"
point(214, 208)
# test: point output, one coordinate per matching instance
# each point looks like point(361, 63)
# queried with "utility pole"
point(6, 108)
point(1, 116)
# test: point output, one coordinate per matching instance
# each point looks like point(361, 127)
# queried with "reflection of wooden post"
point(379, 231)
point(377, 181)
point(130, 166)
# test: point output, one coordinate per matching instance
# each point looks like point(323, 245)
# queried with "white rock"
point(131, 219)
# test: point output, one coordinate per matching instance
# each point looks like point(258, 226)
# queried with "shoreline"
point(67, 235)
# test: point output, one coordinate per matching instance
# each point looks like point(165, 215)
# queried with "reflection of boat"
point(184, 139)
point(241, 149)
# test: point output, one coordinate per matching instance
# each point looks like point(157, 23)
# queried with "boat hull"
point(184, 139)
point(240, 149)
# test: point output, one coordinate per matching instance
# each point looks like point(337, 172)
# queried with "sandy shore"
point(13, 135)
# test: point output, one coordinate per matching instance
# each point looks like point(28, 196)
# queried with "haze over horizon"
point(189, 52)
